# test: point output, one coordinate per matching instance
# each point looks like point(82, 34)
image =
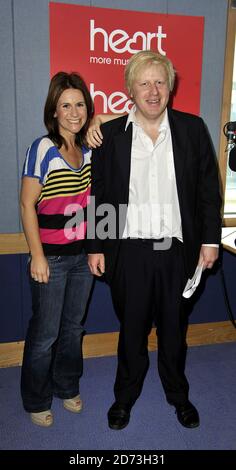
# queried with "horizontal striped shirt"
point(61, 207)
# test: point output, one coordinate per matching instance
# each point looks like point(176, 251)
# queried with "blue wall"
point(15, 305)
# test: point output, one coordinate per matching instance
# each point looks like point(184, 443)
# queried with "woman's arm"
point(94, 135)
point(30, 192)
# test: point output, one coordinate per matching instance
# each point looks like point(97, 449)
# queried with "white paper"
point(193, 283)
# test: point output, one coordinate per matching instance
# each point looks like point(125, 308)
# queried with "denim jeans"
point(53, 361)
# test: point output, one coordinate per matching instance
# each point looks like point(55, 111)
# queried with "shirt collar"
point(164, 126)
point(131, 116)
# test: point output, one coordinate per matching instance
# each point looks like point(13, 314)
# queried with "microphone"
point(231, 132)
point(232, 158)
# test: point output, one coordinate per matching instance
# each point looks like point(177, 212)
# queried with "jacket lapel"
point(123, 143)
point(179, 142)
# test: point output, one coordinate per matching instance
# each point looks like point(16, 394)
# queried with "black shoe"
point(118, 416)
point(187, 415)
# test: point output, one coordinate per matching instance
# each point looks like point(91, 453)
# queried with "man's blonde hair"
point(146, 58)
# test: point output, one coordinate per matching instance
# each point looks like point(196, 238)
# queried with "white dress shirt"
point(153, 209)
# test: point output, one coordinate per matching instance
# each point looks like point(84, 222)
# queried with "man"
point(159, 164)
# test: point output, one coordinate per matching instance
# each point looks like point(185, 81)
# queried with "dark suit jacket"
point(196, 178)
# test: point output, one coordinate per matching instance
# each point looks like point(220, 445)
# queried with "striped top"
point(61, 207)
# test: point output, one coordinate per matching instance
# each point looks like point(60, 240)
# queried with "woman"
point(55, 187)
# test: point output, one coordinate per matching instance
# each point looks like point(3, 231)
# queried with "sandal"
point(73, 404)
point(43, 418)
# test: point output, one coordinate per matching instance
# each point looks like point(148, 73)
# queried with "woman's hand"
point(39, 269)
point(94, 135)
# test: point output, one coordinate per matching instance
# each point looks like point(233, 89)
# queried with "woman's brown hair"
point(59, 83)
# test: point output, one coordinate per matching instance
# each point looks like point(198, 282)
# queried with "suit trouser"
point(148, 285)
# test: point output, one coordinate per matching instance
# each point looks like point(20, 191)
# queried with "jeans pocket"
point(53, 259)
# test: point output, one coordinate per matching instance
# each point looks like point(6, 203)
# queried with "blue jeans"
point(53, 361)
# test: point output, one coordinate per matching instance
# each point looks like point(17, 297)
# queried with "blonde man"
point(159, 164)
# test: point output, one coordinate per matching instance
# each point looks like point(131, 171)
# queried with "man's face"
point(150, 92)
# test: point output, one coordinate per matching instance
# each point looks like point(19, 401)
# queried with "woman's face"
point(71, 112)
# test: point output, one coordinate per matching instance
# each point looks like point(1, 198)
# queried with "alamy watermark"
point(103, 222)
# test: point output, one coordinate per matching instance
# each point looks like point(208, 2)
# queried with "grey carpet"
point(211, 371)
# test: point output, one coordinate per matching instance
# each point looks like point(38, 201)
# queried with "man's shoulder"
point(115, 124)
point(183, 116)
